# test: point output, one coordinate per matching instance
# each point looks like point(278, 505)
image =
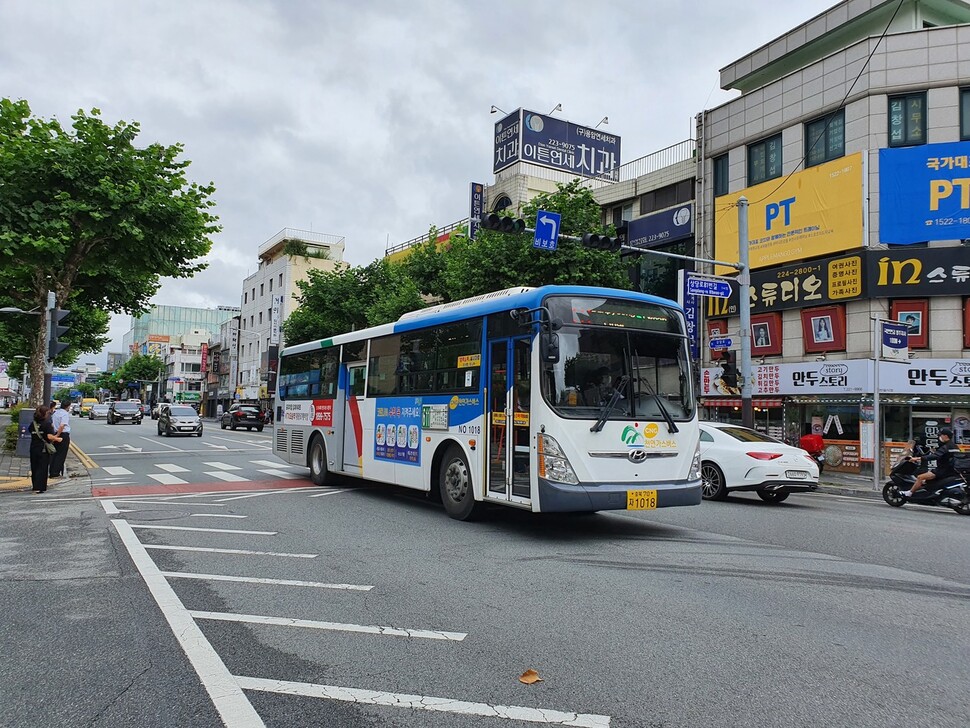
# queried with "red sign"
point(205, 357)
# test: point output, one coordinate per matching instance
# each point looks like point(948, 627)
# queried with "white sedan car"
point(735, 458)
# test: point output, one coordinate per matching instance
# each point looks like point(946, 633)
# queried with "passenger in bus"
point(598, 389)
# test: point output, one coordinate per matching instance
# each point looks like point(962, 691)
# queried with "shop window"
point(766, 334)
point(823, 329)
point(764, 160)
point(915, 313)
point(907, 120)
point(825, 139)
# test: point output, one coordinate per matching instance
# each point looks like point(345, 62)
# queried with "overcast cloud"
point(366, 119)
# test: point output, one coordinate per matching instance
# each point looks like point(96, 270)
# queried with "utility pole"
point(744, 309)
point(48, 363)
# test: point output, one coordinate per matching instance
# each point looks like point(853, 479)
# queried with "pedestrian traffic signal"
point(502, 223)
point(601, 242)
point(54, 344)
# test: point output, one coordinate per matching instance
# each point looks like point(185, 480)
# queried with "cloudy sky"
point(366, 118)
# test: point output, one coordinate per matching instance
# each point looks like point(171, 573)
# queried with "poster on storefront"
point(841, 377)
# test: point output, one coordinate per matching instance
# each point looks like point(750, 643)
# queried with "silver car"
point(179, 419)
point(98, 412)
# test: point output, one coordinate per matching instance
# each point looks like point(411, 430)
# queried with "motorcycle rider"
point(944, 462)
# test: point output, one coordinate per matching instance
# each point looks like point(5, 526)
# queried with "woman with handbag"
point(42, 439)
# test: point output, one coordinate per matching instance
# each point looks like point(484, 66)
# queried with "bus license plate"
point(641, 500)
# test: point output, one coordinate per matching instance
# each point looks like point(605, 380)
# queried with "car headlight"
point(553, 463)
point(695, 464)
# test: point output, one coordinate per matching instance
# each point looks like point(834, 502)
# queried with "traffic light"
point(601, 242)
point(502, 223)
point(54, 345)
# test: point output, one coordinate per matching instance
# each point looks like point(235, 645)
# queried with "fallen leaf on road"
point(529, 676)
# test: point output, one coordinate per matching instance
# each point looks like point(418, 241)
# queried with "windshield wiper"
point(608, 407)
point(671, 425)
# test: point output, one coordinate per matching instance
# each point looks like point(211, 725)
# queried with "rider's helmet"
point(946, 431)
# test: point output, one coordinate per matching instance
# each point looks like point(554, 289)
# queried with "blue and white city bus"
point(559, 398)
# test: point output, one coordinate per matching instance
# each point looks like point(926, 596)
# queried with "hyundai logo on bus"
point(703, 286)
point(637, 456)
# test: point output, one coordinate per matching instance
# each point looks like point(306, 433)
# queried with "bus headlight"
point(695, 464)
point(553, 463)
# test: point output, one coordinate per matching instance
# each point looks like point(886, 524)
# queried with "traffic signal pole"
point(48, 363)
point(744, 309)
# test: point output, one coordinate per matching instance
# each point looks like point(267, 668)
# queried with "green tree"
point(87, 214)
point(505, 260)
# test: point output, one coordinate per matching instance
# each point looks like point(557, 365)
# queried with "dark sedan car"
point(243, 415)
point(124, 412)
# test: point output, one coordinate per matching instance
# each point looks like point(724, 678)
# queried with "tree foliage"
point(87, 214)
point(339, 301)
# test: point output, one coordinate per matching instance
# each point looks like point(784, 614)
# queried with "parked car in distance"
point(157, 408)
point(75, 408)
point(243, 415)
point(124, 412)
point(735, 458)
point(179, 419)
point(98, 411)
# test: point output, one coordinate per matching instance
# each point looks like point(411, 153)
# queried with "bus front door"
point(353, 427)
point(509, 395)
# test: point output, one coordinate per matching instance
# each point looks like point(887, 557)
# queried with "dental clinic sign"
point(924, 193)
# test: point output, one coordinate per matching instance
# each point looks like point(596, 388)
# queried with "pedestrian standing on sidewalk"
point(42, 440)
point(61, 421)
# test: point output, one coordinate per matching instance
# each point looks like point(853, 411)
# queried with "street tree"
point(89, 215)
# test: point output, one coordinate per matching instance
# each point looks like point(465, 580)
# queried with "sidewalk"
point(848, 484)
point(15, 474)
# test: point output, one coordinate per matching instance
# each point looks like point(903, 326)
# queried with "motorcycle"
point(952, 492)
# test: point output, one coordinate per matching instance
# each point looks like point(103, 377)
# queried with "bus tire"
point(455, 486)
point(319, 472)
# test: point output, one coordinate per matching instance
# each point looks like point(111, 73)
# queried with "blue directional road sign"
point(704, 286)
point(718, 344)
point(547, 230)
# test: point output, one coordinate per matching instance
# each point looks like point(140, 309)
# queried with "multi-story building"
point(268, 297)
point(849, 142)
point(183, 356)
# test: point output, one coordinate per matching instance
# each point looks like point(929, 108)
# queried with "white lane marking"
point(425, 702)
point(169, 503)
point(224, 691)
point(166, 478)
point(237, 442)
point(266, 463)
point(260, 580)
point(282, 474)
point(167, 547)
point(215, 515)
point(252, 495)
point(162, 444)
point(109, 508)
point(154, 527)
point(117, 470)
point(428, 634)
point(170, 468)
point(222, 466)
point(228, 477)
point(329, 492)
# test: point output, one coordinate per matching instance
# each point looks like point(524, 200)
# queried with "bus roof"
point(495, 302)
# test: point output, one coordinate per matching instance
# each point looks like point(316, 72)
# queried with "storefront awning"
point(736, 402)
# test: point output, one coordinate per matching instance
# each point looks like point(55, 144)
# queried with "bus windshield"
point(606, 344)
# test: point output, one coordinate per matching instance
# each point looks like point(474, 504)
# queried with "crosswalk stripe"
point(167, 478)
point(228, 477)
point(266, 463)
point(281, 474)
point(428, 634)
point(170, 468)
point(117, 470)
point(222, 466)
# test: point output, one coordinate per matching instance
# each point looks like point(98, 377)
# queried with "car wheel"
point(712, 482)
point(259, 429)
point(890, 494)
point(455, 486)
point(319, 472)
point(199, 433)
point(773, 496)
point(232, 425)
point(222, 424)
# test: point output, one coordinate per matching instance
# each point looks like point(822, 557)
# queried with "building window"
point(664, 197)
point(764, 160)
point(907, 120)
point(721, 171)
point(260, 318)
point(261, 290)
point(281, 280)
point(825, 139)
point(965, 114)
point(621, 214)
point(270, 285)
point(245, 298)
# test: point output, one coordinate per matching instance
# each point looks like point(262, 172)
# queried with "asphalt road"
point(358, 605)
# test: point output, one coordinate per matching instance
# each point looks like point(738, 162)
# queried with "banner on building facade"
point(525, 136)
point(661, 228)
point(919, 272)
point(810, 213)
point(924, 193)
point(276, 320)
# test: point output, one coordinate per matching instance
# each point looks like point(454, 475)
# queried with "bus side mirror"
point(549, 347)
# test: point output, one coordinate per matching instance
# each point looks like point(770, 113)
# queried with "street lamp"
point(23, 378)
point(14, 309)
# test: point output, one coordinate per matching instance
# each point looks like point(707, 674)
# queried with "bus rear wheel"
point(455, 485)
point(319, 472)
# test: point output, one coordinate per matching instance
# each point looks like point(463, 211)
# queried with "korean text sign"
point(811, 213)
point(924, 193)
